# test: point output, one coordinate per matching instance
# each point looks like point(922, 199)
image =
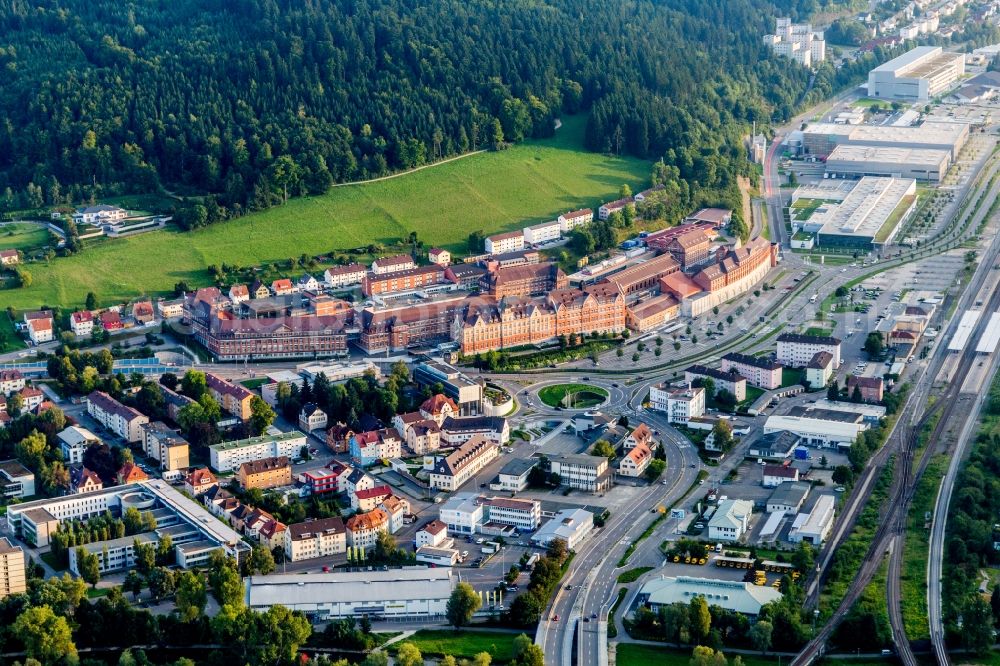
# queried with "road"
point(592, 573)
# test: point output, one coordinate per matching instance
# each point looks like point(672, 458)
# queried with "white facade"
point(797, 350)
point(462, 514)
point(817, 432)
point(228, 456)
point(797, 41)
point(542, 233)
point(440, 557)
point(570, 221)
point(917, 75)
point(73, 441)
point(503, 243)
point(731, 520)
point(680, 404)
point(11, 381)
point(344, 276)
point(417, 592)
point(525, 515)
point(570, 525)
point(816, 528)
point(318, 538)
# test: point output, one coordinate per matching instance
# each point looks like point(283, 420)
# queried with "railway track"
point(903, 443)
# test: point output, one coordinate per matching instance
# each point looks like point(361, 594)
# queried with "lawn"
point(9, 339)
point(791, 376)
point(584, 395)
point(752, 394)
point(23, 236)
point(633, 575)
point(462, 644)
point(632, 654)
point(491, 192)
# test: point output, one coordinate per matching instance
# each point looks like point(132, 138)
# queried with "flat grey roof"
point(376, 587)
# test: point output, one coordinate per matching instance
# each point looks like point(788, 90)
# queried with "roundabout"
point(572, 396)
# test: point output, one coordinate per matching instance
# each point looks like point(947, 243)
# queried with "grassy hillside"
point(528, 183)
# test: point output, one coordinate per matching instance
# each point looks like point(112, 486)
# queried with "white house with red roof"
point(9, 257)
point(82, 323)
point(438, 407)
point(239, 293)
point(40, 326)
point(439, 256)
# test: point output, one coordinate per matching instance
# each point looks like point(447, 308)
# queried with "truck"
point(490, 547)
point(531, 561)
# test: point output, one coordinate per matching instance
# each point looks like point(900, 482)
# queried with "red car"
point(555, 618)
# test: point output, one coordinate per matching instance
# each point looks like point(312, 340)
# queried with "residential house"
point(266, 473)
point(82, 480)
point(198, 481)
point(99, 215)
point(40, 326)
point(870, 388)
point(315, 538)
point(307, 283)
point(120, 419)
point(311, 417)
point(9, 257)
point(438, 407)
point(434, 534)
point(438, 256)
point(259, 290)
point(11, 381)
point(728, 381)
point(423, 436)
point(616, 206)
point(12, 575)
point(797, 350)
point(131, 473)
point(74, 441)
point(396, 509)
point(456, 430)
point(774, 475)
point(282, 287)
point(760, 371)
point(111, 321)
point(452, 471)
point(363, 528)
point(641, 434)
point(393, 264)
point(348, 275)
point(165, 445)
point(170, 309)
point(574, 219)
point(143, 313)
point(819, 369)
point(338, 438)
point(238, 293)
point(730, 521)
point(510, 241)
point(233, 398)
point(356, 480)
point(513, 476)
point(635, 461)
point(31, 398)
point(272, 535)
point(368, 447)
point(82, 323)
point(369, 498)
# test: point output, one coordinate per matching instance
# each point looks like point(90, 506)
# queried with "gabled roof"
point(373, 520)
point(373, 493)
point(264, 465)
point(434, 527)
point(200, 476)
point(311, 528)
point(436, 404)
point(131, 473)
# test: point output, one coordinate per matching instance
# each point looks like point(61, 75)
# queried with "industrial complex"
point(917, 75)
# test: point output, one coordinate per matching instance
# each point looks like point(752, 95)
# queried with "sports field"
point(490, 192)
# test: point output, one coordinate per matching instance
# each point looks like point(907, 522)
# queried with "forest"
point(252, 101)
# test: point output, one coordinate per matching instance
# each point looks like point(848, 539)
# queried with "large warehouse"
point(856, 221)
point(821, 138)
point(856, 161)
point(917, 75)
point(397, 593)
